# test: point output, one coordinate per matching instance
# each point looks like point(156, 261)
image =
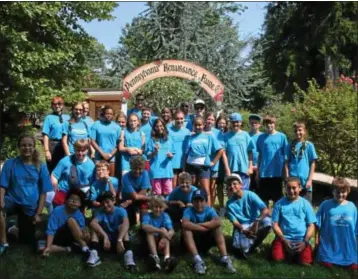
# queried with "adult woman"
point(74, 129)
point(104, 138)
point(52, 133)
point(85, 117)
point(74, 171)
point(24, 183)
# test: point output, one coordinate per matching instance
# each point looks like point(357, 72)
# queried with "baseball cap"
point(233, 176)
point(199, 194)
point(236, 117)
point(199, 102)
point(255, 117)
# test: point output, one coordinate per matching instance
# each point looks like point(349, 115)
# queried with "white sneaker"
point(93, 259)
point(128, 260)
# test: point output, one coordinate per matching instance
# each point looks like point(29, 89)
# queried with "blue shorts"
point(214, 174)
point(201, 171)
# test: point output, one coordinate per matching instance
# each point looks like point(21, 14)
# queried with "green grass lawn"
point(20, 262)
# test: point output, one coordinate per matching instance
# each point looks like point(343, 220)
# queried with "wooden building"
point(98, 97)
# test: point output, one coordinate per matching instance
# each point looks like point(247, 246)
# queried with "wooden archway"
point(173, 68)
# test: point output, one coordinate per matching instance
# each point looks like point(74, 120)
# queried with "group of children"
point(144, 168)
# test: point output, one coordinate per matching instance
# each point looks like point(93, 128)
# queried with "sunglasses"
point(200, 107)
point(57, 104)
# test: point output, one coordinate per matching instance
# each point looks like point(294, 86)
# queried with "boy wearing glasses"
point(66, 225)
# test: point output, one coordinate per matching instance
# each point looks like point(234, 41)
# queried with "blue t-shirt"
point(147, 130)
point(25, 183)
point(131, 184)
point(110, 222)
point(215, 132)
point(338, 224)
point(131, 139)
point(136, 111)
point(85, 171)
point(180, 138)
point(162, 221)
point(201, 148)
point(52, 126)
point(106, 135)
point(237, 148)
point(75, 131)
point(89, 121)
point(98, 187)
point(293, 217)
point(178, 195)
point(253, 147)
point(59, 218)
point(272, 150)
point(246, 209)
point(187, 119)
point(196, 217)
point(161, 165)
point(300, 167)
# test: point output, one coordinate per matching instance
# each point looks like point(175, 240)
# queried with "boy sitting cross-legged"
point(180, 198)
point(201, 230)
point(66, 226)
point(110, 226)
point(159, 232)
point(293, 223)
point(249, 216)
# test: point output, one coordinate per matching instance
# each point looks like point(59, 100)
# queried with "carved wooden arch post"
point(173, 68)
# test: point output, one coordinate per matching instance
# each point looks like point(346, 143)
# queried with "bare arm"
point(310, 177)
point(123, 228)
point(97, 228)
point(65, 145)
point(47, 148)
point(310, 232)
point(226, 164)
point(41, 203)
point(213, 224)
point(54, 182)
point(187, 225)
point(218, 156)
point(111, 188)
point(237, 226)
point(286, 169)
point(140, 196)
point(150, 229)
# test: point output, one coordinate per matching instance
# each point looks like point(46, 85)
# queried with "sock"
point(5, 244)
point(224, 258)
point(166, 257)
point(197, 258)
point(69, 249)
point(85, 249)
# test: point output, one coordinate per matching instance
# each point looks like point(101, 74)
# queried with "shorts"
point(113, 238)
point(270, 188)
point(12, 207)
point(214, 174)
point(133, 209)
point(203, 241)
point(60, 198)
point(57, 153)
point(253, 182)
point(279, 253)
point(63, 237)
point(201, 171)
point(162, 186)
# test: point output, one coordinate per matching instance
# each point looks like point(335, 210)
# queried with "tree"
point(200, 32)
point(305, 40)
point(44, 50)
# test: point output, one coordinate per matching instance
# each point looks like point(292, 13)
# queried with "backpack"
point(74, 181)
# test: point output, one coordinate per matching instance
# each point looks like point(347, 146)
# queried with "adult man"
point(139, 102)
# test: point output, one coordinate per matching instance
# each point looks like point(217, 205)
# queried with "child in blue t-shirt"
point(237, 144)
point(160, 151)
point(180, 198)
point(74, 129)
point(201, 230)
point(293, 223)
point(110, 231)
point(103, 183)
point(271, 147)
point(74, 171)
point(132, 141)
point(104, 138)
point(158, 230)
point(66, 225)
point(24, 182)
point(202, 153)
point(179, 135)
point(255, 124)
point(135, 185)
point(300, 160)
point(121, 120)
point(337, 224)
point(52, 133)
point(249, 216)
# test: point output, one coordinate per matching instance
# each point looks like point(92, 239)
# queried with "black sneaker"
point(154, 262)
point(170, 264)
